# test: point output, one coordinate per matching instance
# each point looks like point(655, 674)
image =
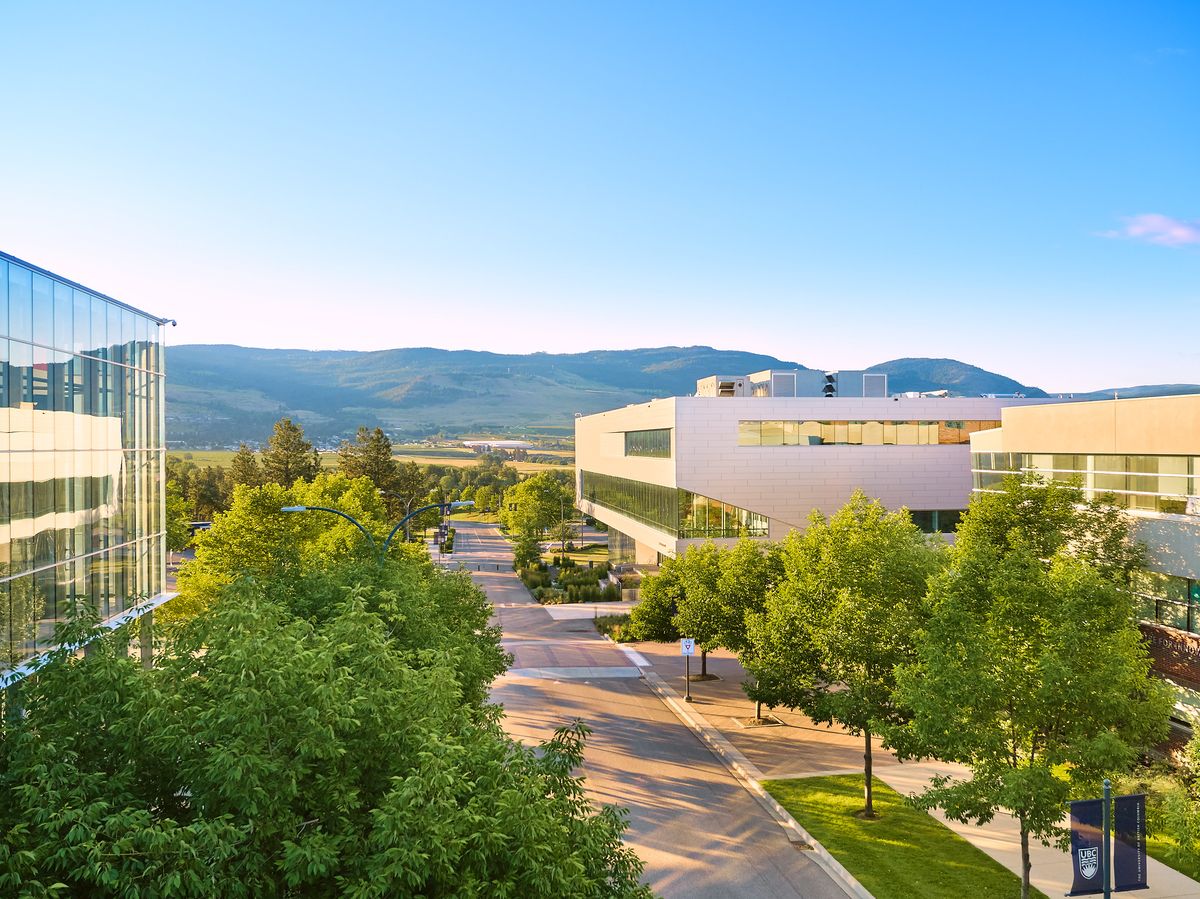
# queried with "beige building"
point(1146, 453)
point(748, 461)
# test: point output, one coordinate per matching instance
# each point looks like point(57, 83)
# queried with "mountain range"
point(222, 394)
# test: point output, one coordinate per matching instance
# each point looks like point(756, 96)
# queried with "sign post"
point(687, 649)
point(1096, 861)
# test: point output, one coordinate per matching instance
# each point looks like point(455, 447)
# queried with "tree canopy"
point(288, 456)
point(315, 724)
point(536, 503)
point(844, 614)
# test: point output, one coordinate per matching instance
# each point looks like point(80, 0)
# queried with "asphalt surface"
point(700, 833)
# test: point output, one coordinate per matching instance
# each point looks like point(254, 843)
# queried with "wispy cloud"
point(1163, 230)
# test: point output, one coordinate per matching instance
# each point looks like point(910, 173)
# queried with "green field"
point(901, 854)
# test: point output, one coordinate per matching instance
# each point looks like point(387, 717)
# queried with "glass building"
point(81, 459)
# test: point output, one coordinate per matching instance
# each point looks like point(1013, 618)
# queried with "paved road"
point(699, 832)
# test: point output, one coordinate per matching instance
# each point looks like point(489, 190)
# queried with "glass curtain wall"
point(654, 443)
point(81, 457)
point(680, 513)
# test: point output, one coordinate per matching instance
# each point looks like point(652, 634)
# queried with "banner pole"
point(1106, 856)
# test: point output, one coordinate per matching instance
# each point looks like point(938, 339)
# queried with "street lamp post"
point(381, 554)
point(562, 524)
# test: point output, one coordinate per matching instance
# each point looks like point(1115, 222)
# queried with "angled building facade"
point(82, 460)
point(754, 456)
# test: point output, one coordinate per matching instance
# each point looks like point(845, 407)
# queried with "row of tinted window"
point(859, 433)
point(45, 311)
point(933, 521)
point(679, 513)
point(655, 443)
point(1154, 483)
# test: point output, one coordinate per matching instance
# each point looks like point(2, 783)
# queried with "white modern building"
point(1145, 453)
point(747, 456)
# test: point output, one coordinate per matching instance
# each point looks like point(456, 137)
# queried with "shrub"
point(615, 626)
point(611, 593)
point(549, 596)
point(534, 578)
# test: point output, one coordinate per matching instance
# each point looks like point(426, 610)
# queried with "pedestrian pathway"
point(802, 748)
point(700, 833)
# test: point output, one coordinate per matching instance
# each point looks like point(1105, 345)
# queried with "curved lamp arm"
point(353, 521)
point(445, 507)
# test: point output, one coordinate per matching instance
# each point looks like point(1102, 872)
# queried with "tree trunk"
point(1025, 865)
point(758, 709)
point(703, 662)
point(869, 811)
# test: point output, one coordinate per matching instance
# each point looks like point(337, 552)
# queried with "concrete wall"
point(1165, 425)
point(786, 483)
point(600, 442)
point(1172, 542)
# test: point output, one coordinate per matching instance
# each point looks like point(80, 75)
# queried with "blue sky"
point(1013, 185)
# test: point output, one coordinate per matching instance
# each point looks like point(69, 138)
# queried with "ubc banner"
point(1087, 843)
point(1129, 843)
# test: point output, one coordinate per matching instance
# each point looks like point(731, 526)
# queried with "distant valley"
point(222, 394)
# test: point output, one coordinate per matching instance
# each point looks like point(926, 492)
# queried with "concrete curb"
point(749, 776)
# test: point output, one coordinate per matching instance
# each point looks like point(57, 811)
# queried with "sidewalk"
point(801, 748)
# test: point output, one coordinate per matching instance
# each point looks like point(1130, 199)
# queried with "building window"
point(1151, 483)
point(933, 521)
point(654, 443)
point(859, 433)
point(1167, 600)
point(680, 513)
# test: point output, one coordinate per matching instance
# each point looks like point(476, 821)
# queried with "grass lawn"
point(901, 854)
point(1162, 848)
point(590, 552)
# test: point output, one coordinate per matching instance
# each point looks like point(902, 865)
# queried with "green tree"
point(653, 618)
point(370, 457)
point(272, 753)
point(527, 550)
point(244, 470)
point(486, 498)
point(178, 518)
point(563, 533)
point(749, 570)
point(1182, 804)
point(1031, 670)
point(409, 486)
point(699, 612)
point(536, 503)
point(208, 492)
point(288, 456)
point(844, 614)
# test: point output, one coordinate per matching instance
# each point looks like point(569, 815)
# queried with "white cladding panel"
point(786, 483)
point(600, 442)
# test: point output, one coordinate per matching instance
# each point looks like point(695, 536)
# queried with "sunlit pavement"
point(700, 833)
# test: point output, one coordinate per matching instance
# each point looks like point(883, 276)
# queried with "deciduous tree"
point(1031, 670)
point(178, 518)
point(844, 614)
